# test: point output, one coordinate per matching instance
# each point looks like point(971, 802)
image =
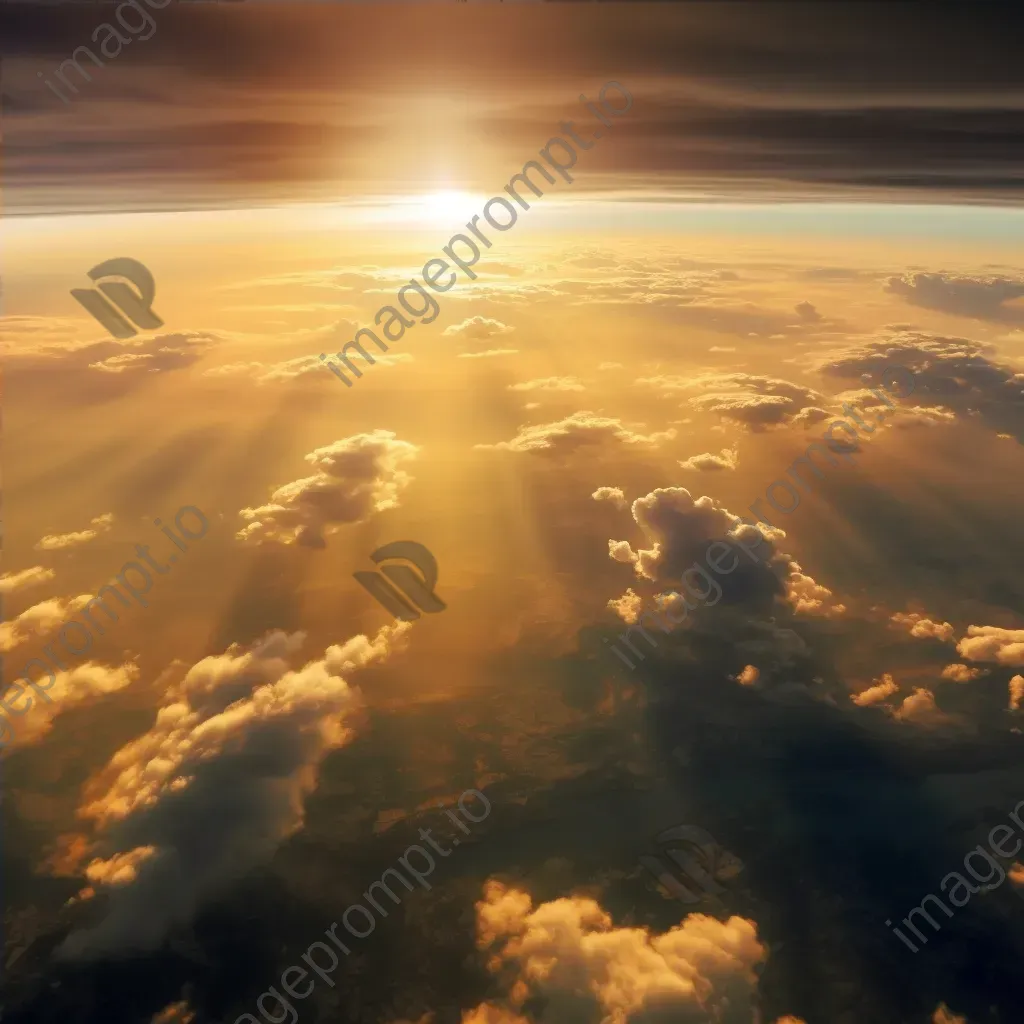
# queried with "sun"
point(440, 208)
point(446, 206)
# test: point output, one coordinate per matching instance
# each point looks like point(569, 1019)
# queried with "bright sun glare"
point(445, 206)
point(441, 208)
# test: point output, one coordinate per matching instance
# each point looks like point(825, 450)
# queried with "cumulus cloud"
point(808, 597)
point(755, 401)
point(549, 384)
point(568, 950)
point(708, 462)
point(809, 416)
point(1016, 688)
point(627, 607)
point(621, 551)
point(574, 432)
point(920, 708)
point(478, 328)
point(749, 675)
point(79, 685)
point(957, 369)
point(216, 783)
point(175, 1013)
point(60, 541)
point(807, 312)
point(121, 869)
point(922, 627)
point(877, 692)
point(39, 619)
point(488, 1013)
point(908, 417)
point(354, 477)
point(13, 581)
point(961, 673)
point(679, 530)
point(944, 1015)
point(980, 298)
point(992, 643)
point(614, 495)
point(156, 353)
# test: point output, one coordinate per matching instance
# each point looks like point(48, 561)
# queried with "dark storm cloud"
point(735, 96)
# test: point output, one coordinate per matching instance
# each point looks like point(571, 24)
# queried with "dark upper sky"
point(230, 103)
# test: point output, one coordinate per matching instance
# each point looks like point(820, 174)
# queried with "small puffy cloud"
point(961, 673)
point(728, 458)
point(944, 1015)
point(920, 708)
point(354, 477)
point(808, 597)
point(992, 643)
point(60, 541)
point(877, 692)
point(621, 551)
point(614, 495)
point(863, 398)
point(609, 366)
point(908, 417)
point(809, 416)
point(38, 620)
point(175, 1013)
point(574, 432)
point(12, 581)
point(627, 607)
point(120, 869)
point(753, 410)
point(549, 384)
point(79, 685)
point(749, 675)
point(242, 369)
point(807, 312)
point(702, 970)
point(478, 328)
point(923, 628)
point(1016, 688)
